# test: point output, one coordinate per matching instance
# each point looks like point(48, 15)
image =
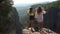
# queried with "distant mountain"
point(22, 9)
point(39, 4)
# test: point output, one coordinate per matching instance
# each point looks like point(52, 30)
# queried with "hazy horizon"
point(30, 2)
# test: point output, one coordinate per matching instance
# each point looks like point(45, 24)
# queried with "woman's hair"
point(39, 10)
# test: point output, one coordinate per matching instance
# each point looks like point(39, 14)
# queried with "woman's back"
point(39, 17)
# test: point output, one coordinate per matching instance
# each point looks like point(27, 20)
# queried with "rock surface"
point(43, 31)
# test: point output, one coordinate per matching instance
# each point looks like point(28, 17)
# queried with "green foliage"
point(53, 4)
point(5, 9)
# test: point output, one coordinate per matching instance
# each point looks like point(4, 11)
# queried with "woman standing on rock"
point(39, 16)
point(31, 18)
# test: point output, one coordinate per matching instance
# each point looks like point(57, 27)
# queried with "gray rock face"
point(11, 23)
point(16, 23)
point(52, 19)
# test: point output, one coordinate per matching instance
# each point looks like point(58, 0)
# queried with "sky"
point(31, 1)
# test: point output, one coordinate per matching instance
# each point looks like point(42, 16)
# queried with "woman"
point(39, 16)
point(31, 18)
